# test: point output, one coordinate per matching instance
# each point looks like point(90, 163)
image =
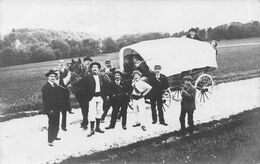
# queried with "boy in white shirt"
point(140, 89)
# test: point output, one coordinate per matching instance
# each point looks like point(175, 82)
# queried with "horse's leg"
point(82, 105)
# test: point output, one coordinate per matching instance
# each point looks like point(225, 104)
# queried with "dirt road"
point(25, 140)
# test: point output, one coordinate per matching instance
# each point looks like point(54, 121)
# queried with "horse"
point(77, 80)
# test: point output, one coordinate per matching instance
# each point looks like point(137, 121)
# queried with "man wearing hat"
point(120, 96)
point(51, 96)
point(87, 61)
point(108, 67)
point(193, 34)
point(188, 93)
point(98, 86)
point(65, 105)
point(108, 70)
point(140, 89)
point(159, 84)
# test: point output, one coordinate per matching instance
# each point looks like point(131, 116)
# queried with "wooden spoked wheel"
point(204, 86)
point(167, 98)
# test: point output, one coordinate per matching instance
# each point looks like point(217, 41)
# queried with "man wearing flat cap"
point(120, 96)
point(159, 84)
point(188, 93)
point(108, 67)
point(98, 87)
point(51, 96)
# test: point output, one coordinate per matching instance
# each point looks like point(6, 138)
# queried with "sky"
point(118, 17)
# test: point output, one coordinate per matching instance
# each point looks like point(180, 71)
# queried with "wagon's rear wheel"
point(167, 98)
point(204, 85)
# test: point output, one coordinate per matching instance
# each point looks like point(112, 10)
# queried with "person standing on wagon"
point(51, 97)
point(193, 34)
point(159, 84)
point(140, 89)
point(188, 93)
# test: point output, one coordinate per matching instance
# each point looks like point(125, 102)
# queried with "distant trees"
point(36, 45)
point(234, 30)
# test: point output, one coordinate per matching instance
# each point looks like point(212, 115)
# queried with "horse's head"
point(77, 70)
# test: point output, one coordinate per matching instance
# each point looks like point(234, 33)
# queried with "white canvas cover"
point(175, 55)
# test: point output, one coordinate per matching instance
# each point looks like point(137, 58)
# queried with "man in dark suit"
point(159, 84)
point(120, 96)
point(108, 71)
point(187, 104)
point(51, 96)
point(98, 86)
point(65, 104)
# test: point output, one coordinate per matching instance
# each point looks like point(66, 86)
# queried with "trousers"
point(95, 108)
point(139, 110)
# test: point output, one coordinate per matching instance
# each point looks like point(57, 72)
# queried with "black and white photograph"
point(129, 81)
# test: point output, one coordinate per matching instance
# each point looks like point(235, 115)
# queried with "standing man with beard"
point(120, 96)
point(51, 96)
point(98, 87)
point(159, 83)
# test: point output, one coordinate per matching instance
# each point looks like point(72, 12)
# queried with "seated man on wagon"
point(141, 66)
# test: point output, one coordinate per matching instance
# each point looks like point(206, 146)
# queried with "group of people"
point(108, 87)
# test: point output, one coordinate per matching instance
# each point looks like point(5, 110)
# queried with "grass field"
point(231, 140)
point(21, 84)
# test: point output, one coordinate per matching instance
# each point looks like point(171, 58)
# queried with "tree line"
point(36, 45)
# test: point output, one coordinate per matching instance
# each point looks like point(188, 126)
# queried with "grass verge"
point(231, 140)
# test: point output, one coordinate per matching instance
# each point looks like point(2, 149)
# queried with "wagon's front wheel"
point(167, 98)
point(176, 94)
point(204, 85)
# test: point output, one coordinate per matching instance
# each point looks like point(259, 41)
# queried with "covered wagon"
point(178, 57)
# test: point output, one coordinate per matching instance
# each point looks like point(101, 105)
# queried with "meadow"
point(21, 85)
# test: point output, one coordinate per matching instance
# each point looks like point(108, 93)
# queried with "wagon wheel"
point(204, 85)
point(176, 94)
point(167, 98)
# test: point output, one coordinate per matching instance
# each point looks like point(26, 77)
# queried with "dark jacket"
point(158, 86)
point(188, 100)
point(120, 93)
point(51, 97)
point(90, 86)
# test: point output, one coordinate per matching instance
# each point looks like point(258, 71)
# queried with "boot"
point(92, 132)
point(98, 126)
